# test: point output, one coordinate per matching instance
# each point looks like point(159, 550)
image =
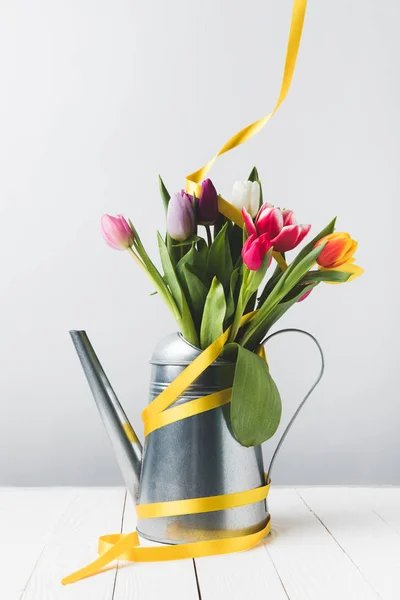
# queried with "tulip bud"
point(339, 249)
point(254, 250)
point(180, 217)
point(207, 206)
point(117, 232)
point(246, 194)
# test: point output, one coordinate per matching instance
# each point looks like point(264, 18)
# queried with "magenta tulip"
point(180, 217)
point(207, 205)
point(280, 226)
point(117, 232)
point(254, 250)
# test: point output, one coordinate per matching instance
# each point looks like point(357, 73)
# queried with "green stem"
point(209, 238)
point(243, 299)
point(160, 287)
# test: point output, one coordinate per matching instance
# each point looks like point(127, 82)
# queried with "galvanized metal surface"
point(192, 458)
point(127, 448)
point(197, 457)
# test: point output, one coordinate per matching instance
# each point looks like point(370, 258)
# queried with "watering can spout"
point(126, 445)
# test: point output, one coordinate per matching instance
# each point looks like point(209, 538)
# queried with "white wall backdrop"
point(97, 98)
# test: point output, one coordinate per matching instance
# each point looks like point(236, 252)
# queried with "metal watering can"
point(191, 458)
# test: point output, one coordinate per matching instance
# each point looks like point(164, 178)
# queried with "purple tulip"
point(180, 217)
point(207, 207)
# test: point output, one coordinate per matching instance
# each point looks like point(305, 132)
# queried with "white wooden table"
point(326, 544)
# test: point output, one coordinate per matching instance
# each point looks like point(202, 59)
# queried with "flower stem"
point(159, 285)
point(243, 299)
point(209, 238)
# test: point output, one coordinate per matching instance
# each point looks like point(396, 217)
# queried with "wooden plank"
point(92, 512)
point(27, 519)
point(174, 580)
point(310, 563)
point(248, 574)
point(372, 545)
point(386, 503)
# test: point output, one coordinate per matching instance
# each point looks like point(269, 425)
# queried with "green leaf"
point(289, 279)
point(165, 196)
point(308, 247)
point(169, 273)
point(233, 295)
point(275, 314)
point(198, 262)
point(189, 242)
point(195, 292)
point(235, 236)
point(188, 328)
point(219, 260)
point(203, 249)
point(256, 404)
point(254, 177)
point(335, 276)
point(258, 276)
point(213, 315)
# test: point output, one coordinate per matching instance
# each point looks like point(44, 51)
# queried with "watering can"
point(194, 457)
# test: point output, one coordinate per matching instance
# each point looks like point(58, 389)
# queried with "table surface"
point(327, 543)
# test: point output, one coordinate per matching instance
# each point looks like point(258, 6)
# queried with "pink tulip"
point(254, 250)
point(117, 232)
point(304, 296)
point(280, 226)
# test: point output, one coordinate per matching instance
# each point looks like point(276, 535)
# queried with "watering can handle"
point(312, 388)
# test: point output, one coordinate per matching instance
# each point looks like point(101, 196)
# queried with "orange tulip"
point(339, 250)
point(338, 254)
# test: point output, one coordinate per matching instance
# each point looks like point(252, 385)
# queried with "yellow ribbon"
point(296, 27)
point(159, 414)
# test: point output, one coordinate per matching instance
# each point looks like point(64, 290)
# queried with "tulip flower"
point(246, 194)
point(280, 226)
point(180, 217)
point(254, 250)
point(339, 249)
point(117, 232)
point(207, 205)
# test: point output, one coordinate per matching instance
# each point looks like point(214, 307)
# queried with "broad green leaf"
point(189, 242)
point(203, 249)
point(254, 177)
point(232, 296)
point(308, 247)
point(258, 276)
point(235, 236)
point(289, 279)
point(188, 328)
point(195, 292)
point(165, 196)
point(275, 314)
point(198, 262)
point(256, 404)
point(213, 315)
point(169, 273)
point(297, 270)
point(334, 276)
point(271, 283)
point(219, 261)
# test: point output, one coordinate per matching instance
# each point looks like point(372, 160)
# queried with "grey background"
point(97, 98)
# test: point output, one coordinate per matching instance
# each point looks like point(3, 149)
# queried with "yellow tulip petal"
point(349, 267)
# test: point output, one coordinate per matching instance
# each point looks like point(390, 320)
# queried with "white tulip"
point(246, 194)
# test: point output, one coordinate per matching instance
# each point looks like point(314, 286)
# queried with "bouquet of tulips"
point(238, 277)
